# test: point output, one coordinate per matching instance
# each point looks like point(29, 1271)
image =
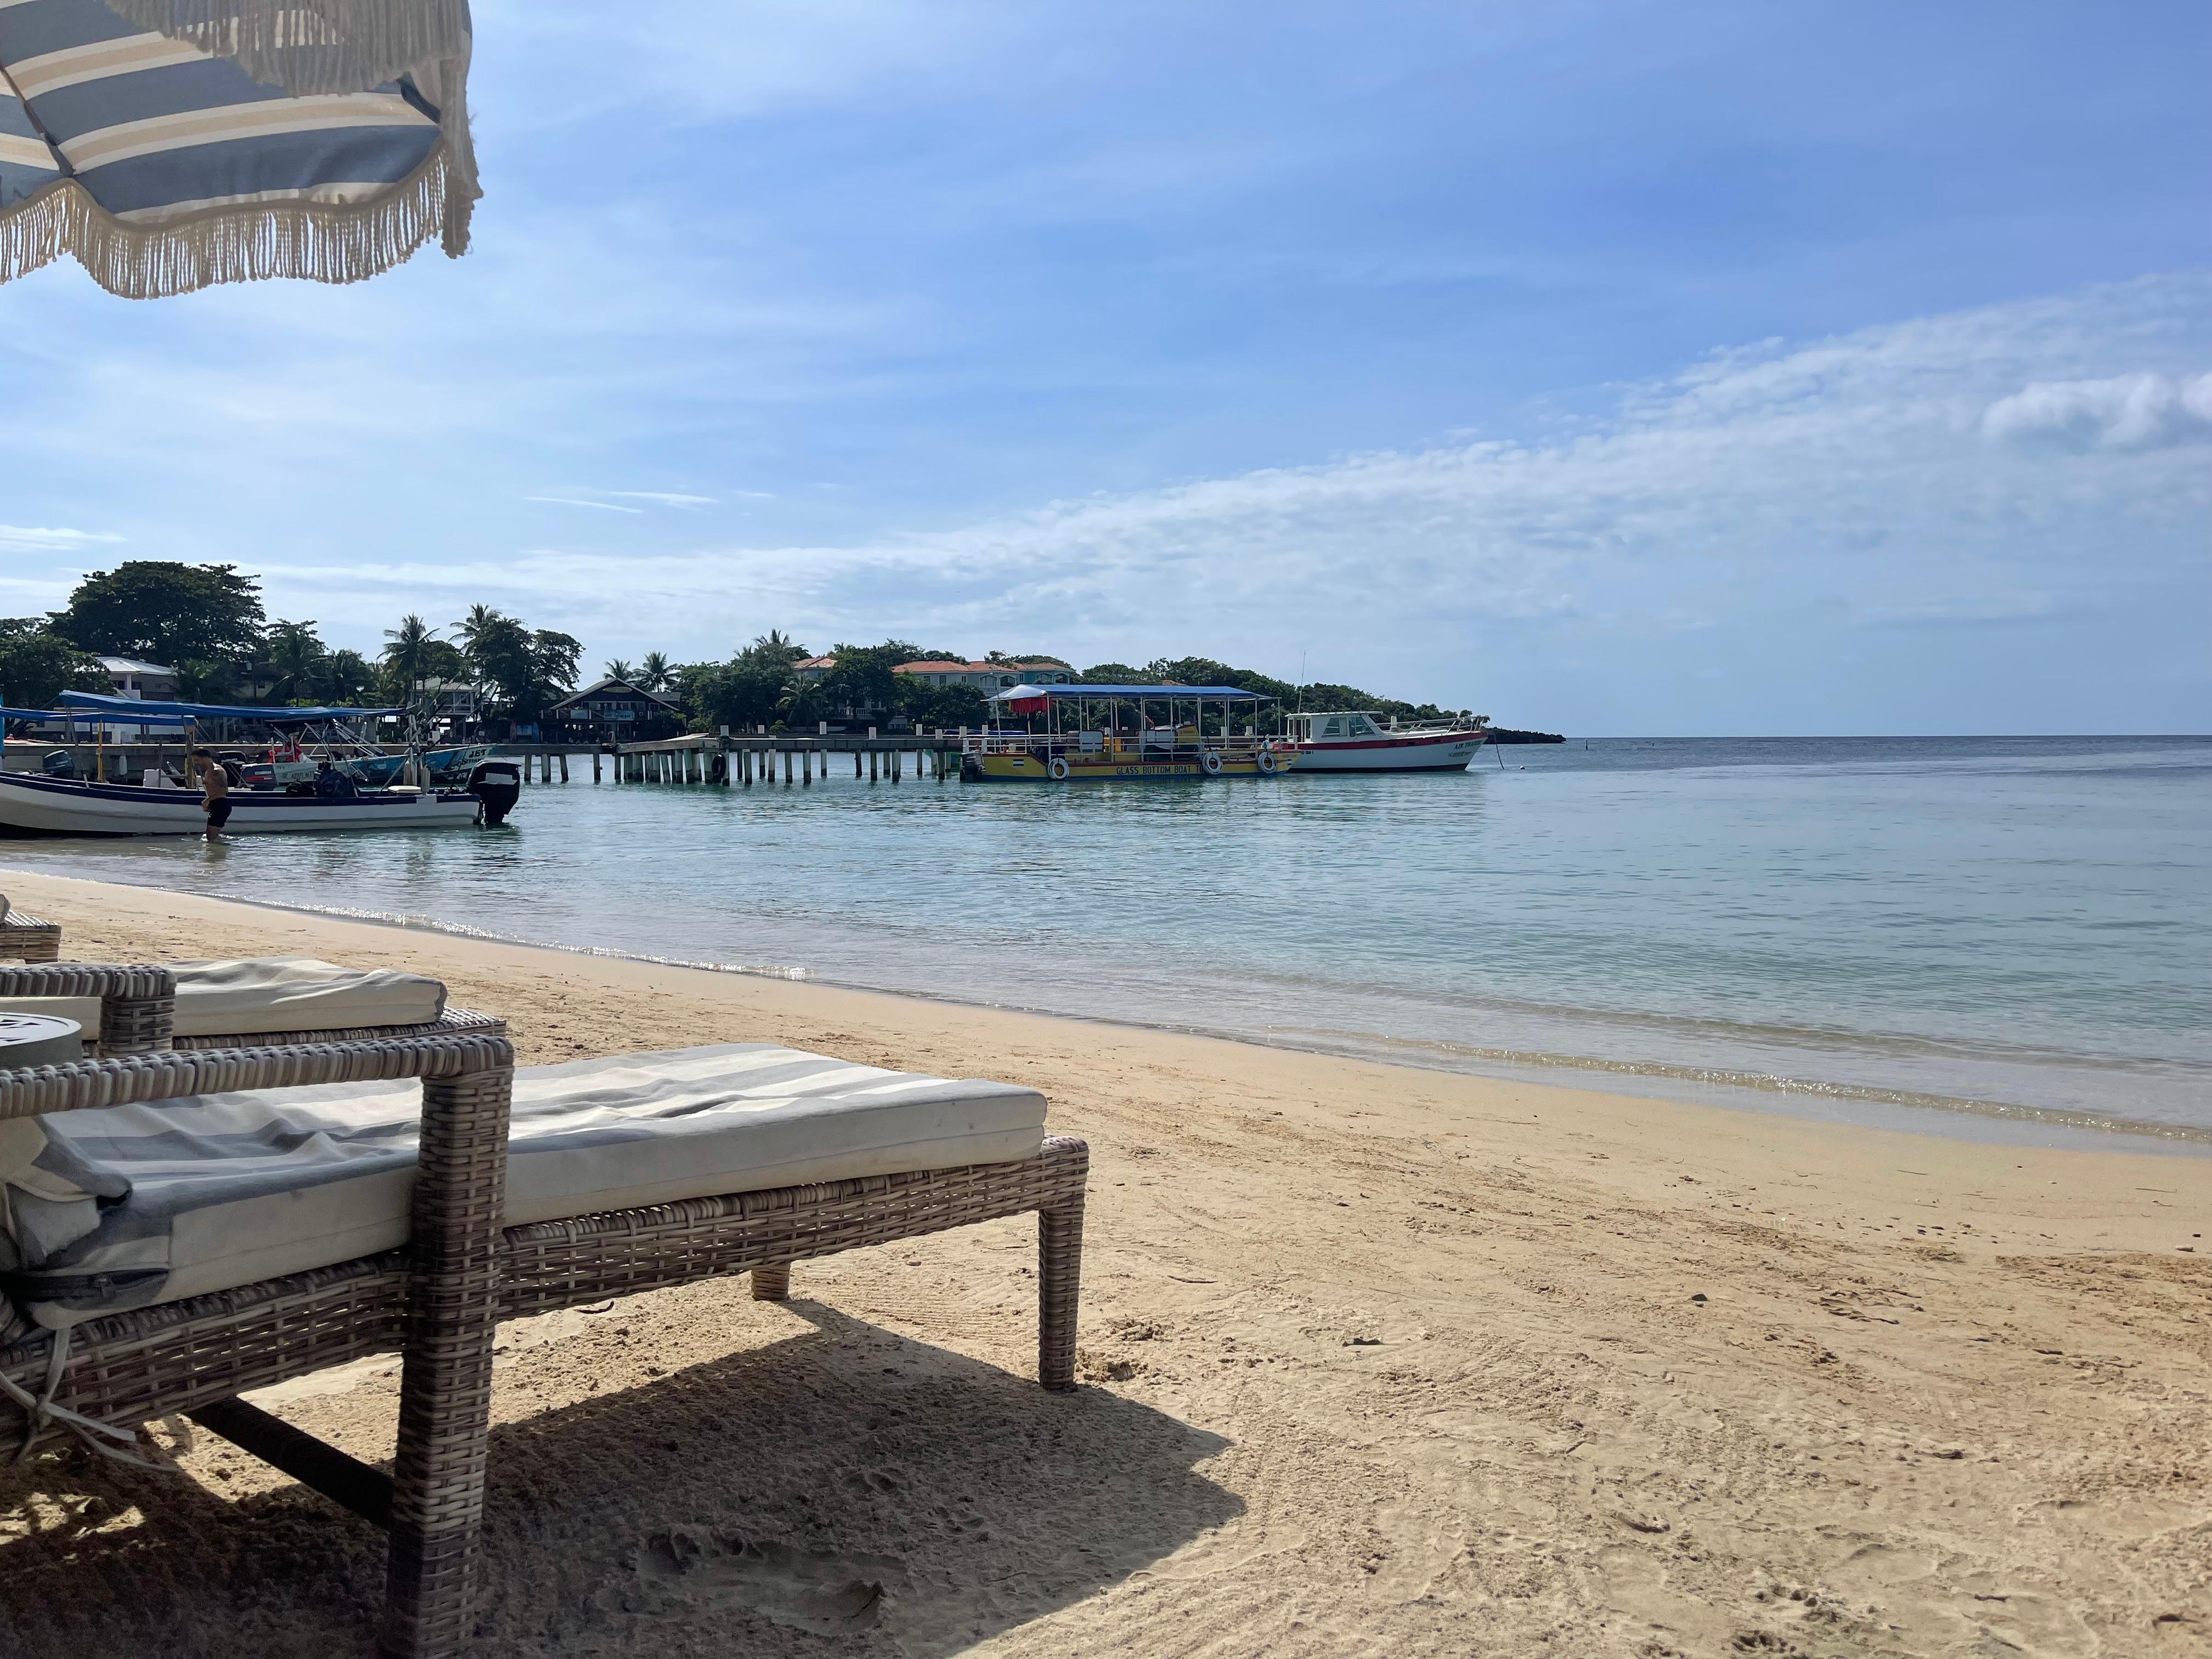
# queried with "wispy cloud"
point(666, 498)
point(1856, 471)
point(573, 501)
point(24, 539)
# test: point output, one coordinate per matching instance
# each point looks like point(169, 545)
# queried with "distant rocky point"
point(1507, 734)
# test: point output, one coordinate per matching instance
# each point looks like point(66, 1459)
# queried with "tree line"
point(207, 623)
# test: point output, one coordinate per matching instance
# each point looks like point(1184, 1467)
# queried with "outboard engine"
point(59, 764)
point(497, 784)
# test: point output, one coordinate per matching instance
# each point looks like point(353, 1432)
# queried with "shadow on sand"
point(846, 1483)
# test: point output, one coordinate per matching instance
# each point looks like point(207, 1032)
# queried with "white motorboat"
point(1358, 740)
point(31, 802)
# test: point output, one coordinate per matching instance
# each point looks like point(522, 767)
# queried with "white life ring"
point(1210, 762)
point(1265, 760)
point(1058, 769)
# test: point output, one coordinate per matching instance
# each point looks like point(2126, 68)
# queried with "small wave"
point(1451, 1057)
point(462, 930)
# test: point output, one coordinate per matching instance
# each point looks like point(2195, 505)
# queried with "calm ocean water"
point(2006, 938)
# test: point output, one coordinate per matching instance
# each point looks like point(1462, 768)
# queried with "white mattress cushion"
point(254, 995)
point(127, 1205)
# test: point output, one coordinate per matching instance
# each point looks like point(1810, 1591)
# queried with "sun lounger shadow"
point(840, 1479)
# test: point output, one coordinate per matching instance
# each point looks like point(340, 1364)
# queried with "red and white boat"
point(1360, 741)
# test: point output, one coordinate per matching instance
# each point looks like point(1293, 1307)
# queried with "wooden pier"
point(744, 761)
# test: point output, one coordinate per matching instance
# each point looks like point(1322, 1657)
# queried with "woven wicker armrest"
point(120, 1079)
point(137, 1003)
point(453, 1021)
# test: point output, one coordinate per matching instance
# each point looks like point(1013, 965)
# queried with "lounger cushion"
point(256, 995)
point(127, 1205)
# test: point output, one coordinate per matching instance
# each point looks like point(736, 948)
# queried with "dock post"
point(806, 769)
point(564, 766)
point(595, 766)
point(856, 766)
point(872, 766)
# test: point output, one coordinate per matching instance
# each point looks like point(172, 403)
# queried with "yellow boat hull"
point(1004, 767)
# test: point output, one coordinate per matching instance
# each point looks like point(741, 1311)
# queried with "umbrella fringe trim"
point(317, 241)
point(311, 46)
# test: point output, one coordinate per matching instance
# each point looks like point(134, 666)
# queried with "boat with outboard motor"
point(31, 802)
point(1074, 732)
point(58, 803)
point(1359, 740)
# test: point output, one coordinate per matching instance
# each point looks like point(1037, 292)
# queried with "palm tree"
point(654, 672)
point(406, 652)
point(347, 676)
point(796, 703)
point(295, 656)
point(617, 669)
point(481, 622)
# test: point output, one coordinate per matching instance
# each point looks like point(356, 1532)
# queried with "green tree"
point(38, 665)
point(863, 680)
point(618, 668)
point(1114, 673)
point(165, 613)
point(296, 659)
point(406, 655)
point(796, 702)
point(348, 677)
point(527, 671)
point(654, 673)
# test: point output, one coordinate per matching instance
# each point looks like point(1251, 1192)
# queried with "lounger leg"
point(444, 1390)
point(1059, 1275)
point(136, 1025)
point(773, 1283)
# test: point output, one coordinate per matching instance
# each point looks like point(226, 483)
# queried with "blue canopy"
point(131, 710)
point(1212, 693)
point(71, 713)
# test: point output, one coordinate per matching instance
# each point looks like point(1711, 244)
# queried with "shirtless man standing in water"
point(215, 782)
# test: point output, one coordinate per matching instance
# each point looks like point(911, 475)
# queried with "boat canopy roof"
point(52, 713)
point(145, 711)
point(1212, 692)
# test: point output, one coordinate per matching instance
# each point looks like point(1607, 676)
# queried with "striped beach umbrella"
point(170, 144)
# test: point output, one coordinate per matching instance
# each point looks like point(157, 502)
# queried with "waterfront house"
point(985, 678)
point(612, 708)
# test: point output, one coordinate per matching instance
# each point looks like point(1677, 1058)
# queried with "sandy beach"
point(1374, 1360)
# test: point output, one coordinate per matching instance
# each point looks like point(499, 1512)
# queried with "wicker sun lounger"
point(438, 1299)
point(28, 940)
point(156, 1032)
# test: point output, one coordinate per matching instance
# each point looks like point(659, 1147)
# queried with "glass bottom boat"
point(1071, 733)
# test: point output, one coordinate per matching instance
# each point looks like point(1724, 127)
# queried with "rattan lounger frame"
point(438, 1300)
point(29, 939)
point(147, 1029)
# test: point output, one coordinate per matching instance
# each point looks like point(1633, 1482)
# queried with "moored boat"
point(35, 804)
point(1076, 732)
point(1358, 740)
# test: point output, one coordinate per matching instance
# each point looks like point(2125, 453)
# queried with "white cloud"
point(666, 498)
point(2128, 411)
point(24, 539)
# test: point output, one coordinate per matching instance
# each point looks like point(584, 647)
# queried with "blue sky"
point(1624, 369)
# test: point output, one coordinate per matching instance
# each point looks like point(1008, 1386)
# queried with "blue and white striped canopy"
point(169, 145)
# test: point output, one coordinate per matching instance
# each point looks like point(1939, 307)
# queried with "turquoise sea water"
point(2008, 937)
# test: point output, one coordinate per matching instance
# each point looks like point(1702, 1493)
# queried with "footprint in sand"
point(823, 1594)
